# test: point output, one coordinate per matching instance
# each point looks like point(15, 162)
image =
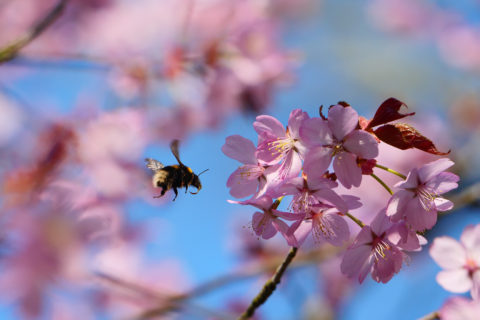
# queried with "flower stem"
point(382, 183)
point(356, 220)
point(269, 286)
point(391, 171)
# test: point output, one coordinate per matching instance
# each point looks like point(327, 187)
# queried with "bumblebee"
point(174, 176)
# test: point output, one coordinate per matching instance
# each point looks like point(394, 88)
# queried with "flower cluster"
point(309, 160)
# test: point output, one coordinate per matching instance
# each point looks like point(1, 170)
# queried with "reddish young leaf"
point(404, 136)
point(387, 112)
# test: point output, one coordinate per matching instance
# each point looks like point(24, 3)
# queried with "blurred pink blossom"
point(460, 308)
point(461, 261)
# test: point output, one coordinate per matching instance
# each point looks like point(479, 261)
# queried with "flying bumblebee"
point(174, 176)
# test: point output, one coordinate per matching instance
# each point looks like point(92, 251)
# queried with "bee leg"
point(161, 194)
point(186, 188)
point(176, 193)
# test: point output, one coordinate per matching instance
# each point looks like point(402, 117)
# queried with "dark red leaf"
point(404, 136)
point(387, 112)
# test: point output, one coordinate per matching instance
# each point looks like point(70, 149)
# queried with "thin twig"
point(356, 220)
point(11, 50)
point(468, 196)
point(391, 171)
point(269, 286)
point(382, 183)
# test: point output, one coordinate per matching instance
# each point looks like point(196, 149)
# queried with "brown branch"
point(269, 286)
point(11, 50)
point(431, 316)
point(468, 196)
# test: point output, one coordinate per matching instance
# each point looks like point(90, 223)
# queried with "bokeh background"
point(110, 82)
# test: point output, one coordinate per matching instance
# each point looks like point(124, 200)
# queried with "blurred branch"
point(10, 51)
point(431, 316)
point(172, 303)
point(269, 286)
point(468, 196)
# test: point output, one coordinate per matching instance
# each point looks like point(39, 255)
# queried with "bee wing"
point(174, 148)
point(153, 164)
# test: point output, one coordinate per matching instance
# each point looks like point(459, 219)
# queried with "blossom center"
point(379, 246)
point(300, 202)
point(471, 266)
point(280, 147)
point(427, 197)
point(250, 172)
point(337, 147)
point(320, 227)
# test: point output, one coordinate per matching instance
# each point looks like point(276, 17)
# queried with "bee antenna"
point(202, 172)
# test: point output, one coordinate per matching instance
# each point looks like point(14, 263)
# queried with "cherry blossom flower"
point(419, 198)
point(326, 222)
point(310, 192)
point(252, 177)
point(337, 137)
point(460, 308)
point(378, 249)
point(279, 145)
point(461, 261)
point(267, 223)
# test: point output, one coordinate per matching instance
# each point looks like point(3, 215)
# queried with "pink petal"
point(356, 261)
point(239, 187)
point(295, 120)
point(292, 165)
point(385, 268)
point(444, 182)
point(417, 217)
point(348, 172)
point(475, 291)
point(283, 228)
point(303, 230)
point(431, 169)
point(264, 202)
point(362, 143)
point(318, 182)
point(411, 182)
point(317, 161)
point(352, 202)
point(338, 231)
point(470, 237)
point(448, 253)
point(397, 204)
point(316, 132)
point(442, 204)
point(364, 237)
point(266, 155)
point(331, 197)
point(262, 225)
point(269, 125)
point(455, 280)
point(365, 269)
point(342, 120)
point(240, 149)
point(291, 186)
point(380, 223)
point(460, 308)
point(288, 215)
